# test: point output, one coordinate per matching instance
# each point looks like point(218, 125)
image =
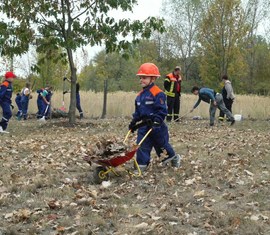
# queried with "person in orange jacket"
point(172, 86)
point(151, 108)
point(5, 100)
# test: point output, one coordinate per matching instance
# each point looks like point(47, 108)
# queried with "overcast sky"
point(147, 8)
point(144, 9)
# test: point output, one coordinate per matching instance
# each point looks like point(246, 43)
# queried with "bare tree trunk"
point(72, 105)
point(105, 99)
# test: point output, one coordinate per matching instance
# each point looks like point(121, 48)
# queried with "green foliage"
point(121, 73)
point(14, 39)
point(18, 84)
point(52, 67)
point(71, 24)
point(183, 19)
point(221, 38)
point(259, 82)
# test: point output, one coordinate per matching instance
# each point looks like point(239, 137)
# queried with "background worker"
point(150, 106)
point(5, 100)
point(214, 99)
point(25, 96)
point(19, 105)
point(172, 86)
point(78, 98)
point(43, 100)
point(228, 96)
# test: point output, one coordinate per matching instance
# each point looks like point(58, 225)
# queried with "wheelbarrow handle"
point(130, 131)
point(127, 136)
point(147, 122)
point(148, 132)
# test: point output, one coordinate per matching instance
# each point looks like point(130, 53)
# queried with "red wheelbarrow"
point(108, 165)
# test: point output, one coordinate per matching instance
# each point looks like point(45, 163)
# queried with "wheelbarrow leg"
point(137, 169)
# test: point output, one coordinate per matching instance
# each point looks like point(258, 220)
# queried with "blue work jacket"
point(6, 92)
point(150, 103)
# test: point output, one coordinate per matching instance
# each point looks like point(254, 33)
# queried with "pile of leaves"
point(106, 147)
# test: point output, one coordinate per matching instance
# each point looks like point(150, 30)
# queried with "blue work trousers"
point(7, 114)
point(158, 138)
point(19, 105)
point(24, 103)
point(78, 103)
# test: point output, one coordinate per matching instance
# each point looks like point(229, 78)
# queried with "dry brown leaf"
point(142, 225)
point(199, 193)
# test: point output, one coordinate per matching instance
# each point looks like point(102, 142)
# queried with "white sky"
point(144, 9)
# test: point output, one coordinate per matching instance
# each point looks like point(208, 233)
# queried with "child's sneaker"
point(167, 160)
point(143, 168)
point(2, 131)
point(176, 161)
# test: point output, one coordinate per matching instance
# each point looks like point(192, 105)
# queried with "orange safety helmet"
point(10, 74)
point(148, 69)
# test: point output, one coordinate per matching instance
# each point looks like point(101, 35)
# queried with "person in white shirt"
point(228, 96)
point(25, 93)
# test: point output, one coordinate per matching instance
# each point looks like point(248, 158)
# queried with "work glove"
point(148, 122)
point(64, 79)
point(131, 126)
point(12, 106)
point(156, 124)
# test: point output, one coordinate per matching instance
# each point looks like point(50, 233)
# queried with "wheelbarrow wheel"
point(99, 175)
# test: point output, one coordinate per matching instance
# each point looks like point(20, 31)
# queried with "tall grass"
point(121, 104)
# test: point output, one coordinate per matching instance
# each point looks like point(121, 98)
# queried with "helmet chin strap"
point(153, 79)
point(149, 83)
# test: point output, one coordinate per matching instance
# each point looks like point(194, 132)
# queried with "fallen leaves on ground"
point(46, 187)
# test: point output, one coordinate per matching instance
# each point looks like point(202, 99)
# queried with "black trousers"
point(173, 104)
point(228, 103)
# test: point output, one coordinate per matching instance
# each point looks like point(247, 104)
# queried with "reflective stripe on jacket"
point(6, 91)
point(150, 103)
point(171, 83)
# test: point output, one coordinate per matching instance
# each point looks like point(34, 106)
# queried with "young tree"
point(222, 32)
point(70, 24)
point(255, 12)
point(183, 19)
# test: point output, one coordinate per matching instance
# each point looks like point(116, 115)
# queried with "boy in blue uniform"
point(5, 100)
point(25, 100)
point(214, 99)
point(43, 100)
point(19, 105)
point(151, 107)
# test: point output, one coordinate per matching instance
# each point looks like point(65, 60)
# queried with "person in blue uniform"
point(214, 99)
point(19, 105)
point(5, 100)
point(78, 97)
point(25, 93)
point(43, 100)
point(151, 108)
